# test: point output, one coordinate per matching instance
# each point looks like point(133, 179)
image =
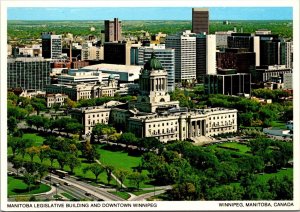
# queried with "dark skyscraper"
point(113, 30)
point(200, 20)
point(51, 45)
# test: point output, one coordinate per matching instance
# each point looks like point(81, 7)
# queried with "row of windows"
point(98, 115)
point(218, 117)
point(163, 124)
point(155, 132)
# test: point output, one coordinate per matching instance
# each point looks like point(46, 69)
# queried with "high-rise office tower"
point(238, 59)
point(269, 50)
point(205, 55)
point(117, 53)
point(200, 23)
point(185, 55)
point(286, 54)
point(113, 30)
point(51, 45)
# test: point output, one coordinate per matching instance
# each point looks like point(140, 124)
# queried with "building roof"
point(153, 64)
point(113, 67)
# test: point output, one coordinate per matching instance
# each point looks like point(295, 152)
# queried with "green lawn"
point(121, 194)
point(278, 124)
point(16, 186)
point(241, 147)
point(68, 196)
point(118, 159)
point(137, 193)
point(38, 140)
point(266, 176)
point(121, 159)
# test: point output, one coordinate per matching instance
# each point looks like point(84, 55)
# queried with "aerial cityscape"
point(192, 108)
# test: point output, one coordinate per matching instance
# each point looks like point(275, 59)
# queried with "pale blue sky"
point(148, 13)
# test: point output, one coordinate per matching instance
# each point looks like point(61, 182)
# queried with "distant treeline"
point(28, 30)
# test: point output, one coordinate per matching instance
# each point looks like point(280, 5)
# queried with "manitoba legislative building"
point(153, 114)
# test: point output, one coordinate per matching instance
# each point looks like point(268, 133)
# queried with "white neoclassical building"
point(153, 114)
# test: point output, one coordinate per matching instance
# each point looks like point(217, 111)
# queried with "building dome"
point(153, 64)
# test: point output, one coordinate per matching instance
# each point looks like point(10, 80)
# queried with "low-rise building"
point(58, 98)
point(84, 90)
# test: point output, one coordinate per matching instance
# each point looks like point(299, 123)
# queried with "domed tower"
point(153, 83)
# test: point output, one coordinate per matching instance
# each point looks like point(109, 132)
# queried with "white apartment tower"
point(185, 55)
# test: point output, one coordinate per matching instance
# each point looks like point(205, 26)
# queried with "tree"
point(109, 169)
point(73, 127)
point(44, 152)
point(35, 120)
point(14, 143)
point(17, 164)
point(12, 124)
point(52, 154)
point(42, 171)
point(282, 188)
point(127, 138)
point(23, 145)
point(32, 151)
point(95, 168)
point(69, 103)
point(136, 178)
point(73, 162)
point(38, 104)
point(225, 192)
point(56, 107)
point(184, 191)
point(29, 179)
point(62, 159)
point(121, 174)
point(97, 130)
point(114, 137)
point(89, 151)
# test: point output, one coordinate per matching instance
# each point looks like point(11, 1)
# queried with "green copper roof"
point(153, 64)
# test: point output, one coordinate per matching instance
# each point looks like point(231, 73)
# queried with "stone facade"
point(52, 99)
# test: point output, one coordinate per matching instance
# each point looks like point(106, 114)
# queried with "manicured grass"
point(137, 193)
point(118, 159)
point(121, 159)
point(38, 140)
point(16, 186)
point(241, 147)
point(278, 124)
point(280, 174)
point(68, 196)
point(121, 194)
